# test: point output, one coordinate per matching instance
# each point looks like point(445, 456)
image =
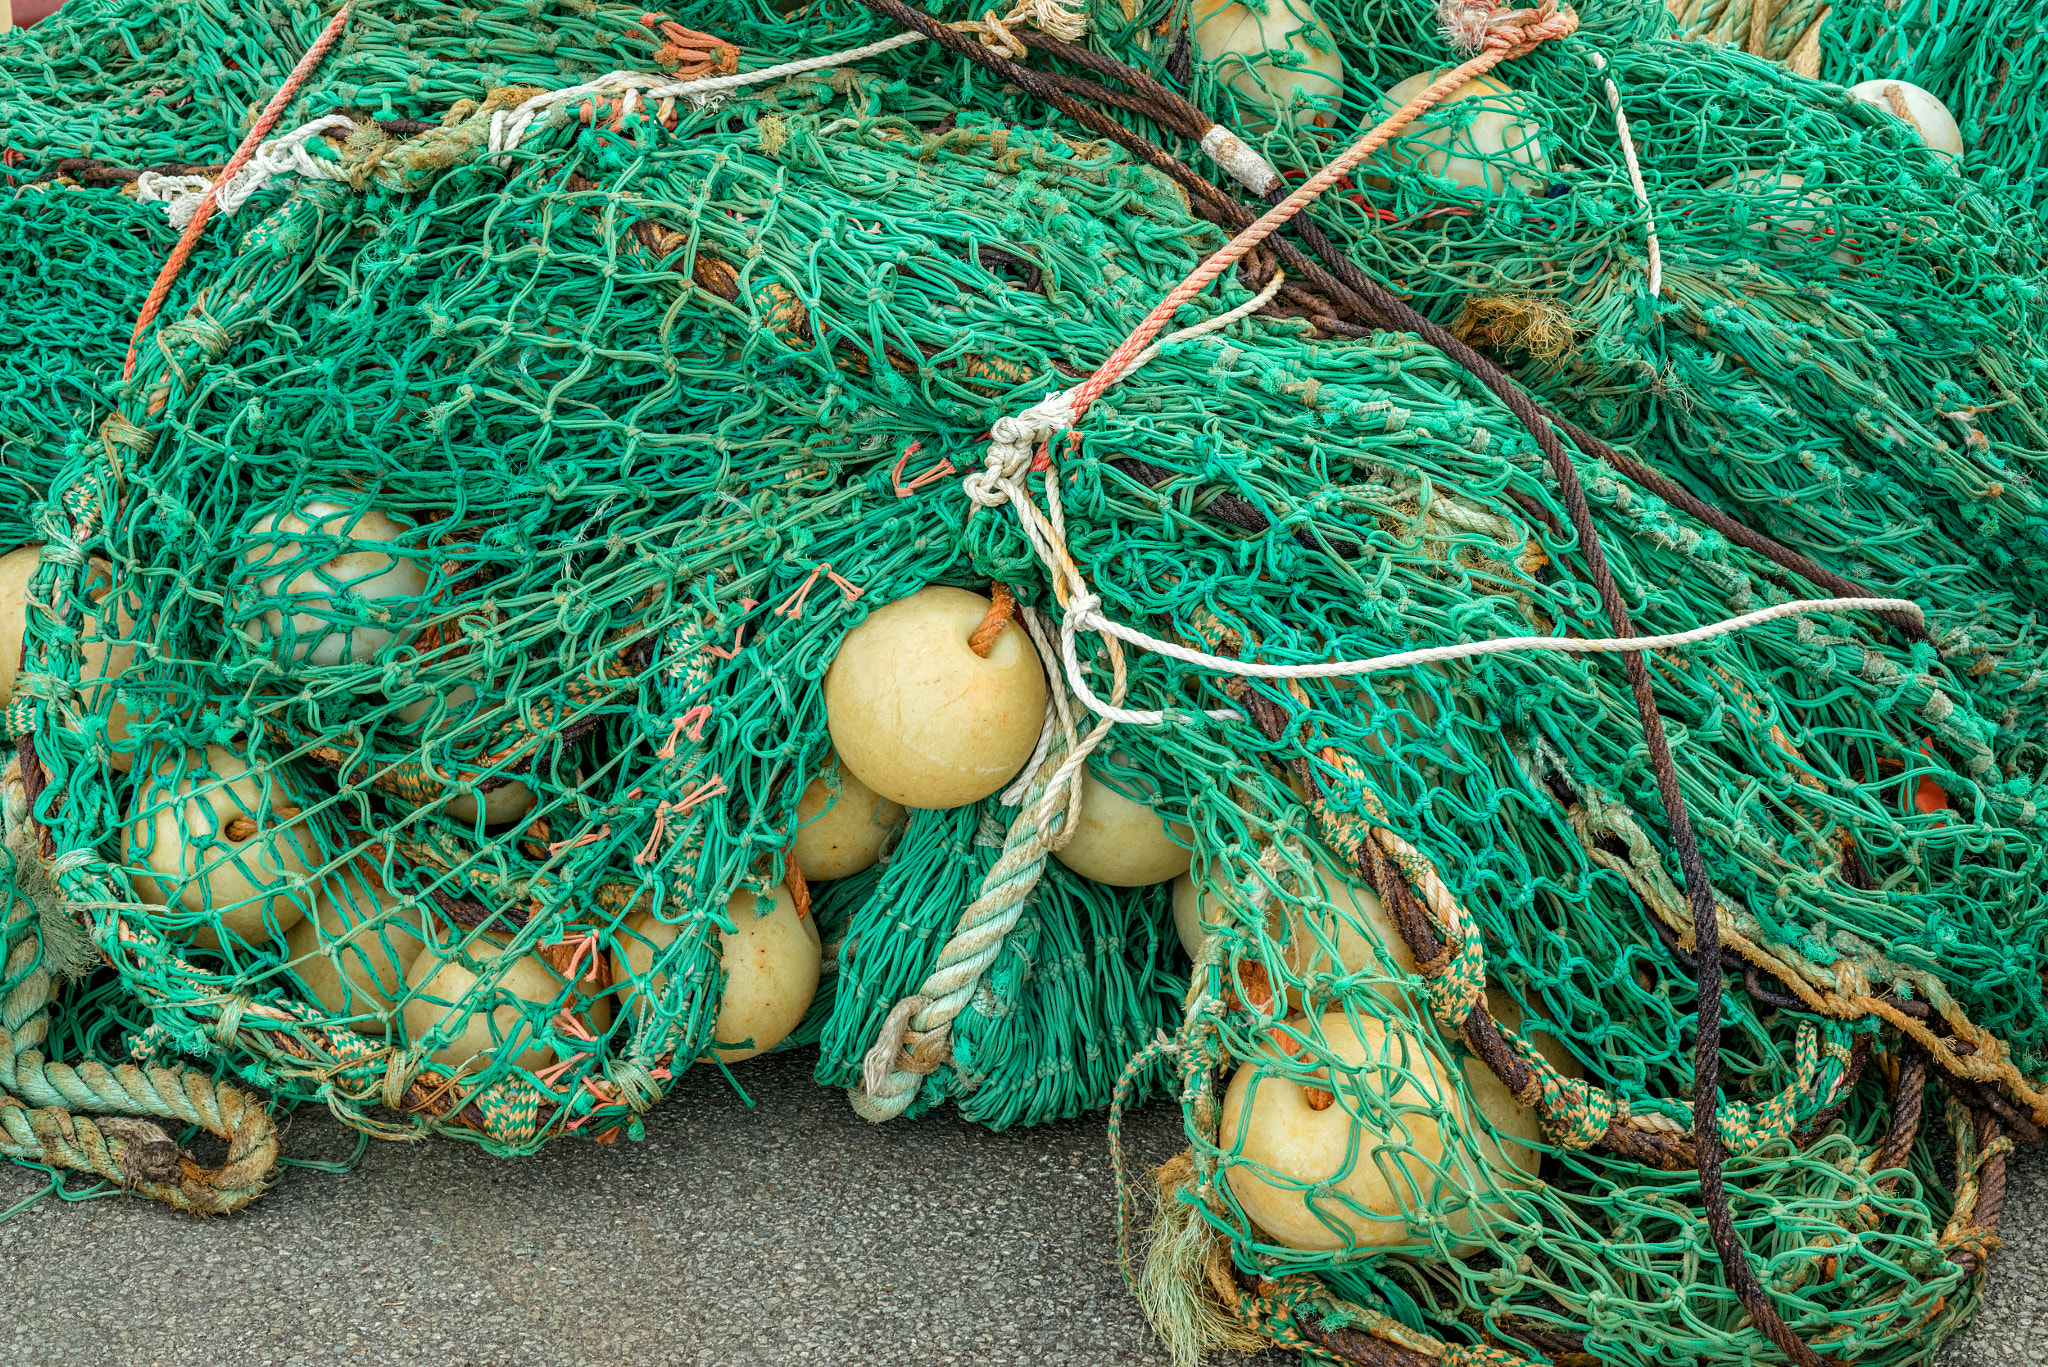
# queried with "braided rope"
point(44, 1103)
point(892, 1077)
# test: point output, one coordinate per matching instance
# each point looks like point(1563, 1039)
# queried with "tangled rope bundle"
point(1604, 843)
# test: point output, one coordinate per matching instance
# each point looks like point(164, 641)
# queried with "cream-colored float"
point(102, 660)
point(1518, 1126)
point(504, 803)
point(1925, 114)
point(1271, 56)
point(1121, 842)
point(15, 568)
point(1283, 1141)
point(918, 716)
point(107, 652)
point(1332, 927)
point(842, 825)
point(446, 994)
point(339, 607)
point(1474, 137)
point(210, 836)
point(771, 964)
point(352, 951)
point(1785, 193)
point(1340, 928)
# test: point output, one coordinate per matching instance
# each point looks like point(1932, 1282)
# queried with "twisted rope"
point(915, 1038)
point(189, 239)
point(44, 1104)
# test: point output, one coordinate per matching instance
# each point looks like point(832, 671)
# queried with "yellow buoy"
point(771, 962)
point(1280, 1141)
point(213, 837)
point(1474, 137)
point(1791, 232)
point(339, 607)
point(105, 656)
point(15, 568)
point(352, 951)
point(918, 716)
point(1341, 927)
point(1518, 1126)
point(1271, 58)
point(445, 994)
point(842, 825)
point(1925, 114)
point(1120, 841)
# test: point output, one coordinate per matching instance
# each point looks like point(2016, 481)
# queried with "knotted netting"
point(1984, 63)
point(485, 518)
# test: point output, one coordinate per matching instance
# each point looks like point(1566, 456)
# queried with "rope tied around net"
point(915, 1038)
point(203, 210)
point(91, 1117)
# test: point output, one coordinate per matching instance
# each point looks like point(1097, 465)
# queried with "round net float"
point(506, 802)
point(1281, 1140)
point(211, 837)
point(1272, 56)
point(771, 964)
point(1928, 116)
point(1518, 1126)
point(1121, 841)
point(351, 951)
point(338, 607)
point(1784, 192)
point(15, 568)
point(448, 1001)
point(842, 825)
point(918, 716)
point(1338, 928)
point(106, 654)
point(1476, 137)
point(457, 700)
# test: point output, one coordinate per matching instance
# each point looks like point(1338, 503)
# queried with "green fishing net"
point(1985, 63)
point(482, 521)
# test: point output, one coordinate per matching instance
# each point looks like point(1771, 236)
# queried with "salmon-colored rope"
point(1510, 36)
point(182, 253)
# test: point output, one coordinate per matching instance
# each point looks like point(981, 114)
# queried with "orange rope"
point(182, 253)
point(1507, 39)
point(1002, 604)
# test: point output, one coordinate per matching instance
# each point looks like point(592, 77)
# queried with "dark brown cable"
point(1171, 110)
point(1706, 926)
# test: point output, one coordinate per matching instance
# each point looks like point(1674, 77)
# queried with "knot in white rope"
point(285, 155)
point(180, 195)
point(1012, 442)
point(1468, 25)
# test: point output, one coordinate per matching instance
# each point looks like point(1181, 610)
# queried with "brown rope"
point(1002, 606)
point(793, 879)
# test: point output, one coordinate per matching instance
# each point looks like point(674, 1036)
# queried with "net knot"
point(1471, 25)
point(1050, 17)
point(1012, 441)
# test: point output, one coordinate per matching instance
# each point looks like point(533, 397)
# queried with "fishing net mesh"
point(423, 668)
point(1985, 63)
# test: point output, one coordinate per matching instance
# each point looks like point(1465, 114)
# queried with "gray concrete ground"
point(790, 1233)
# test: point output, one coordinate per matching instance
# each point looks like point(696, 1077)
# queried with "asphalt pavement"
point(789, 1233)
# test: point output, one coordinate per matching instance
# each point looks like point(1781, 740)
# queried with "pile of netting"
point(1988, 64)
point(428, 684)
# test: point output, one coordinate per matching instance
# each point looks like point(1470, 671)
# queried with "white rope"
point(180, 195)
point(1083, 616)
point(1635, 176)
point(508, 126)
point(285, 155)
